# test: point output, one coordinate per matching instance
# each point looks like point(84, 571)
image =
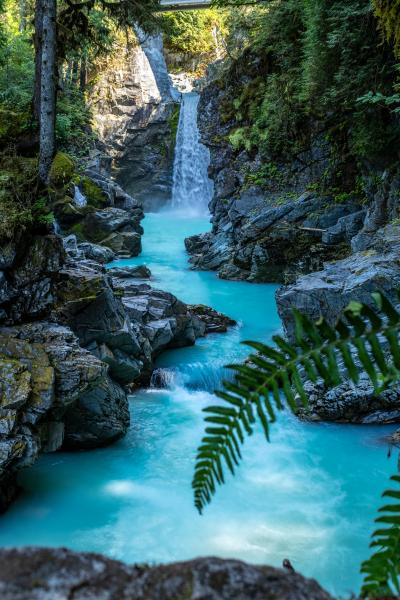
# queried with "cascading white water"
point(192, 190)
point(80, 199)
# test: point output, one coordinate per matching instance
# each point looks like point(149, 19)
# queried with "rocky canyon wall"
point(270, 223)
point(134, 116)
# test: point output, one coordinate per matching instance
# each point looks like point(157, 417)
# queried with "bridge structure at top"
point(167, 5)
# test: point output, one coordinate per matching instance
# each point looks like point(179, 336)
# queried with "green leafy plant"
point(382, 570)
point(274, 376)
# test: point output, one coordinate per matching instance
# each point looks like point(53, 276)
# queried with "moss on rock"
point(62, 170)
point(94, 194)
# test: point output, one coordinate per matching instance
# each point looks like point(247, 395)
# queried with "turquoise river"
point(310, 496)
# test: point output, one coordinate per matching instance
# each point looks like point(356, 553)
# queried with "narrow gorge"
point(173, 227)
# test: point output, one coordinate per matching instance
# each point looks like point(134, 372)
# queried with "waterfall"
point(79, 198)
point(192, 190)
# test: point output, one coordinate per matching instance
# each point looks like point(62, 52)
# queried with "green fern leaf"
point(275, 376)
point(382, 569)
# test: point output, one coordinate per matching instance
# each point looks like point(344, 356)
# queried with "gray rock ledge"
point(60, 574)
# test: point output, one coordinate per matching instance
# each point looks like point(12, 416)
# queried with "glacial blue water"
point(309, 496)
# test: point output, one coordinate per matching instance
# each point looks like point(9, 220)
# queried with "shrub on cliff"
point(21, 208)
point(300, 69)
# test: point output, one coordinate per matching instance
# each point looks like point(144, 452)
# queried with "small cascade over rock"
point(163, 379)
point(205, 377)
point(192, 189)
point(79, 198)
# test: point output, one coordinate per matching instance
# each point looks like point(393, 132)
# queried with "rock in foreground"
point(50, 574)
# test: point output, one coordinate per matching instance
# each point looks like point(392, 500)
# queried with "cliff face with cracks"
point(134, 116)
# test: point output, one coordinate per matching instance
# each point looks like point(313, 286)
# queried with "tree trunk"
point(22, 15)
point(47, 116)
point(74, 72)
point(82, 75)
point(38, 39)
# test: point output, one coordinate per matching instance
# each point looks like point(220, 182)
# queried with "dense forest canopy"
point(308, 68)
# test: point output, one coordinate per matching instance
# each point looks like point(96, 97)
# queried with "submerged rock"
point(46, 574)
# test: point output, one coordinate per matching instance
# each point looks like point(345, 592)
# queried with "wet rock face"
point(45, 574)
point(132, 109)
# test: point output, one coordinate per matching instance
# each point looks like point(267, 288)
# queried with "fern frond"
point(382, 569)
point(362, 337)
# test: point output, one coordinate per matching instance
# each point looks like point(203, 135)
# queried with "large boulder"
point(45, 374)
point(96, 252)
point(47, 574)
point(130, 272)
point(326, 293)
point(88, 304)
point(165, 320)
point(123, 243)
point(99, 417)
point(214, 321)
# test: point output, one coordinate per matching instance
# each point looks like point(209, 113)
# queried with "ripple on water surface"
point(310, 495)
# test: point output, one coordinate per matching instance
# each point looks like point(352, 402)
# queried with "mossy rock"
point(78, 230)
point(95, 196)
point(62, 170)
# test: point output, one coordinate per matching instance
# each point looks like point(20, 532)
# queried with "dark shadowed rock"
point(96, 252)
point(99, 417)
point(214, 321)
point(49, 574)
point(44, 374)
point(132, 272)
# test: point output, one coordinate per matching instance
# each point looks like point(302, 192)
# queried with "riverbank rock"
point(73, 340)
point(132, 272)
point(326, 293)
point(275, 219)
point(44, 376)
point(215, 322)
point(46, 574)
point(164, 321)
point(268, 222)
